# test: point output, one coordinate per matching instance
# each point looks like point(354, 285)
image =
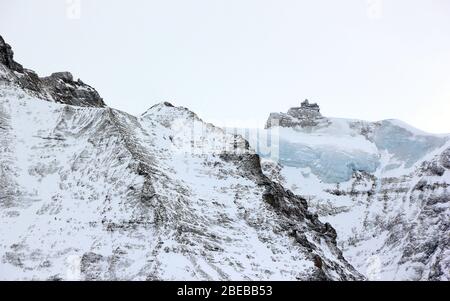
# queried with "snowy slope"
point(384, 186)
point(125, 196)
point(92, 193)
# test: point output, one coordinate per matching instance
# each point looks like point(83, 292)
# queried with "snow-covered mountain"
point(89, 192)
point(383, 185)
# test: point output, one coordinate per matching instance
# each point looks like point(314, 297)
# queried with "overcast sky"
point(235, 61)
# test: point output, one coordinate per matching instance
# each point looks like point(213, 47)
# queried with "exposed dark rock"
point(303, 240)
point(433, 168)
point(64, 76)
point(90, 265)
point(318, 261)
point(13, 258)
point(285, 201)
point(248, 162)
point(330, 231)
point(64, 89)
point(90, 258)
point(30, 80)
point(445, 158)
point(336, 192)
point(421, 185)
point(6, 56)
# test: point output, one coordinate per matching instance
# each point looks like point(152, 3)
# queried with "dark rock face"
point(445, 158)
point(307, 115)
point(59, 87)
point(65, 90)
point(90, 265)
point(64, 76)
point(6, 56)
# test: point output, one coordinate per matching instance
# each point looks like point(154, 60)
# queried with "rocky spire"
point(6, 56)
point(59, 87)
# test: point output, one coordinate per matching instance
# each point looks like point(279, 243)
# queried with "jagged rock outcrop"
point(6, 57)
point(59, 87)
point(63, 89)
point(92, 193)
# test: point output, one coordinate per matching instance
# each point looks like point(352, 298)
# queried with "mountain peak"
point(167, 113)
